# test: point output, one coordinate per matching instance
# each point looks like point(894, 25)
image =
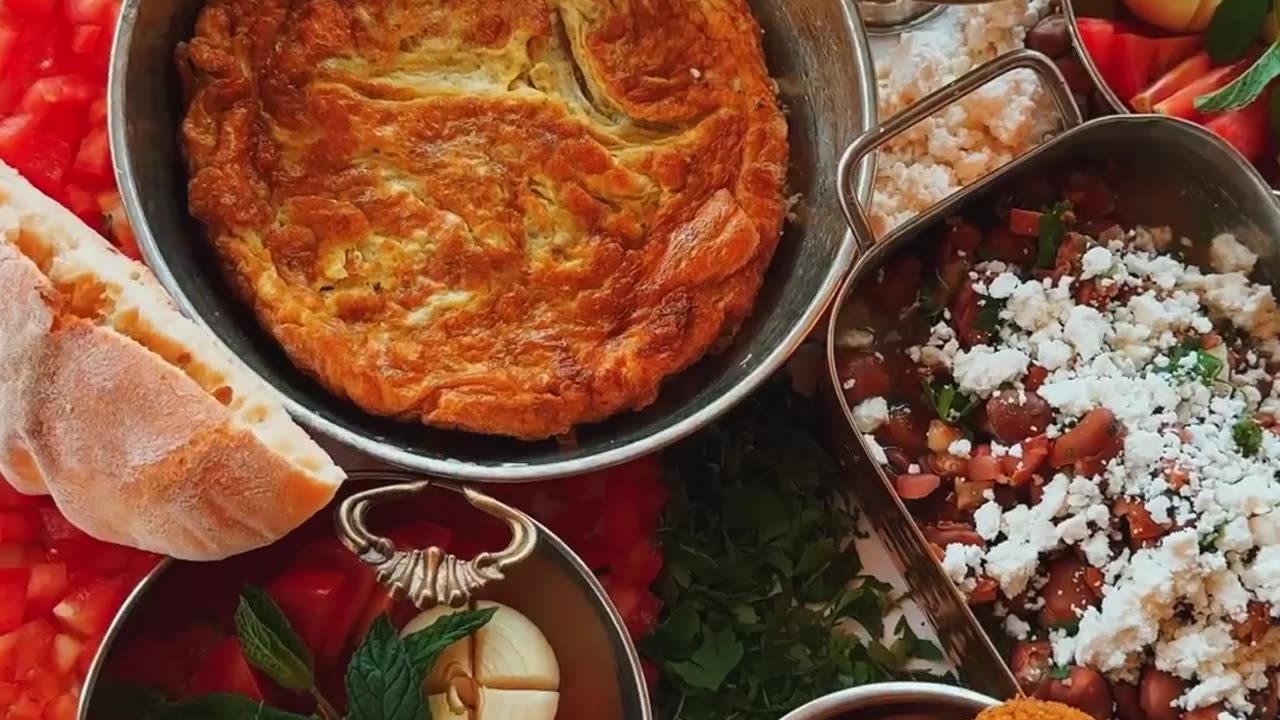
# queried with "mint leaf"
point(1248, 436)
point(1245, 89)
point(269, 642)
point(220, 706)
point(114, 699)
point(711, 663)
point(1235, 27)
point(425, 646)
point(382, 683)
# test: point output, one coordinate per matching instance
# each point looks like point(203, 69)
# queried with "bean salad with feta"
point(1081, 417)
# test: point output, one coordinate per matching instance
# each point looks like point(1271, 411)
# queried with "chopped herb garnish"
point(1060, 672)
point(1205, 366)
point(1248, 436)
point(948, 403)
point(759, 582)
point(988, 315)
point(1053, 227)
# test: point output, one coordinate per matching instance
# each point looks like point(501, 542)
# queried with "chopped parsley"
point(1248, 436)
point(1206, 366)
point(760, 587)
point(989, 314)
point(1053, 227)
point(948, 403)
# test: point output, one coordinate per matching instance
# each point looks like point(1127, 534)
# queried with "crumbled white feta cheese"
point(1226, 254)
point(981, 370)
point(1096, 261)
point(870, 414)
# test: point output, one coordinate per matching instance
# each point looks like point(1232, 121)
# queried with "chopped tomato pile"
point(330, 597)
point(59, 591)
point(53, 106)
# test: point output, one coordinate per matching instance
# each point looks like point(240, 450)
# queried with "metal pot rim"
point(864, 696)
point(769, 360)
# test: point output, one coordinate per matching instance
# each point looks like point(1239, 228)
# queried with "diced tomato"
point(85, 39)
point(1035, 377)
point(84, 205)
point(119, 231)
point(46, 586)
point(91, 647)
point(42, 158)
point(93, 158)
point(65, 707)
point(1098, 38)
point(9, 693)
point(641, 565)
point(30, 8)
point(31, 645)
point(14, 555)
point(310, 598)
point(45, 685)
point(98, 113)
point(13, 597)
point(1175, 79)
point(1035, 451)
point(1172, 51)
point(26, 707)
point(96, 12)
point(8, 657)
point(1182, 103)
point(18, 526)
point(51, 93)
point(8, 42)
point(85, 554)
point(57, 527)
point(1246, 129)
point(65, 653)
point(89, 609)
point(225, 670)
point(639, 608)
point(1024, 222)
point(11, 498)
point(1132, 68)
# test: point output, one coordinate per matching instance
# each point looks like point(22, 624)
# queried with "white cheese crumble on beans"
point(1132, 528)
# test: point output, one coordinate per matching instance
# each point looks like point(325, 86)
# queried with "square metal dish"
point(1165, 173)
point(815, 49)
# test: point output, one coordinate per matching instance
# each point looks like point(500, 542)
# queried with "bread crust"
point(502, 217)
point(134, 449)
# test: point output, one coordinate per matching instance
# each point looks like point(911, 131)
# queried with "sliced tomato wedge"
point(1175, 79)
point(225, 670)
point(1182, 103)
point(85, 39)
point(46, 586)
point(1133, 68)
point(13, 597)
point(1098, 38)
point(19, 526)
point(311, 598)
point(1246, 129)
point(31, 8)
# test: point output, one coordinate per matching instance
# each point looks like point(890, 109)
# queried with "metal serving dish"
point(895, 701)
point(536, 574)
point(1165, 171)
point(807, 44)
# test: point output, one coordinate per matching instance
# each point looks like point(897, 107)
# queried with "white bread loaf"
point(143, 427)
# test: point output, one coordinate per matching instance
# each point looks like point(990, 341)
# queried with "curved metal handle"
point(931, 104)
point(429, 576)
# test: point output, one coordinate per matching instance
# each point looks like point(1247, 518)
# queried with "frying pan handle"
point(932, 103)
point(429, 576)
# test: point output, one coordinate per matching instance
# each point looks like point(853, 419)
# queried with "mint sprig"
point(426, 645)
point(1247, 88)
point(381, 681)
point(270, 644)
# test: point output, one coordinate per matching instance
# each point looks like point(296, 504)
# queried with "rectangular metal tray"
point(1165, 172)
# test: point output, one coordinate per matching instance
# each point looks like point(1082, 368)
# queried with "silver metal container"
point(536, 574)
point(1166, 172)
point(817, 51)
point(895, 701)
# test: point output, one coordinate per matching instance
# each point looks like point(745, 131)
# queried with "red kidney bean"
point(905, 429)
point(1074, 73)
point(863, 374)
point(1050, 36)
point(1083, 689)
point(1016, 415)
point(1066, 591)
point(898, 459)
point(1157, 691)
point(1128, 704)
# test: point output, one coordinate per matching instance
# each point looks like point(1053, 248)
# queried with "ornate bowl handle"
point(430, 576)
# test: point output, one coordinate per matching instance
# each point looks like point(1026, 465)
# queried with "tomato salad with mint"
point(1081, 416)
point(1214, 64)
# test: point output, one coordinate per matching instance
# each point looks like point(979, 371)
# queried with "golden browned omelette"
point(503, 216)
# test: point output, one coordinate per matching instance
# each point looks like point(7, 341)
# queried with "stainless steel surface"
point(855, 156)
point(808, 44)
point(894, 16)
point(895, 701)
point(600, 669)
point(1149, 160)
point(431, 575)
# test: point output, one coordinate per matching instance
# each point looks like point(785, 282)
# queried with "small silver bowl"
point(895, 701)
point(601, 676)
point(817, 51)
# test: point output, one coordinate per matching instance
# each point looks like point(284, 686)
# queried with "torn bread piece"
point(144, 429)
